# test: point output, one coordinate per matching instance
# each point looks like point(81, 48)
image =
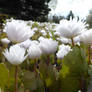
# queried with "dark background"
point(36, 10)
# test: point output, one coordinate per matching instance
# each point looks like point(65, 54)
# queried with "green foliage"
point(11, 82)
point(50, 77)
point(4, 75)
point(76, 61)
point(69, 84)
point(74, 67)
point(32, 82)
point(64, 71)
point(90, 70)
point(52, 34)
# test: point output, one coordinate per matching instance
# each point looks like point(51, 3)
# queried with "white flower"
point(86, 37)
point(79, 91)
point(34, 29)
point(71, 28)
point(34, 51)
point(43, 32)
point(68, 41)
point(48, 46)
point(15, 55)
point(18, 31)
point(76, 39)
point(5, 41)
point(41, 38)
point(64, 40)
point(26, 44)
point(63, 51)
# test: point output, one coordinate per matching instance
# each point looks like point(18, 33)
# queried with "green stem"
point(16, 78)
point(48, 59)
point(89, 57)
point(72, 42)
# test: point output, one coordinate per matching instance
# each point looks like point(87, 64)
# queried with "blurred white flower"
point(48, 46)
point(34, 51)
point(64, 40)
point(86, 37)
point(63, 51)
point(41, 38)
point(79, 91)
point(34, 29)
point(5, 41)
point(68, 41)
point(71, 28)
point(18, 31)
point(15, 55)
point(76, 39)
point(43, 32)
point(26, 44)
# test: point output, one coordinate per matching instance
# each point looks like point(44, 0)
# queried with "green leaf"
point(76, 62)
point(69, 84)
point(11, 78)
point(29, 80)
point(48, 74)
point(21, 89)
point(52, 34)
point(48, 82)
point(64, 71)
point(4, 75)
point(90, 70)
point(32, 82)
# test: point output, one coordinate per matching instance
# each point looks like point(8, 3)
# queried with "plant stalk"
point(16, 78)
point(72, 42)
point(89, 57)
point(48, 59)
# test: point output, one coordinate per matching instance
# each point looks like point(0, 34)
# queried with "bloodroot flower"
point(5, 41)
point(63, 51)
point(71, 28)
point(34, 51)
point(86, 37)
point(48, 46)
point(18, 31)
point(15, 55)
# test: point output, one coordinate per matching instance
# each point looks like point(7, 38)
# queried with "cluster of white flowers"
point(21, 32)
point(17, 31)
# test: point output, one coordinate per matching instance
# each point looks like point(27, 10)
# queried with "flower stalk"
point(35, 67)
point(48, 59)
point(16, 78)
point(72, 42)
point(89, 57)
